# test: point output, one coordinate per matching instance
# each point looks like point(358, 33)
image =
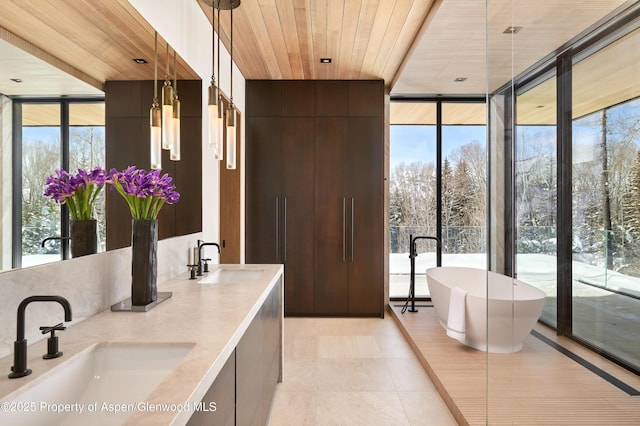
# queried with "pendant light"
point(155, 121)
point(220, 127)
point(175, 146)
point(215, 143)
point(167, 109)
point(231, 112)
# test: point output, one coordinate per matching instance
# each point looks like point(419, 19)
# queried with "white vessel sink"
point(106, 373)
point(232, 276)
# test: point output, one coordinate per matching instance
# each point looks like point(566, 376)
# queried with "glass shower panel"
point(501, 69)
point(535, 169)
point(412, 193)
point(606, 187)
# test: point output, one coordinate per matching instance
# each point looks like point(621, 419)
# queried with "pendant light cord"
point(175, 75)
point(155, 70)
point(167, 70)
point(218, 37)
point(231, 59)
point(213, 42)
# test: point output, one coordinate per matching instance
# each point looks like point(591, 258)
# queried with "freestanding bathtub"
point(514, 307)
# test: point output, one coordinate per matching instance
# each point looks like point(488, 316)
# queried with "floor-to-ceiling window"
point(464, 184)
point(606, 188)
point(87, 151)
point(412, 192)
point(49, 135)
point(41, 156)
point(431, 140)
point(535, 205)
point(576, 181)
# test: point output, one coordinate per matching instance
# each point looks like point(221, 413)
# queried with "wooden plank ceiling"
point(285, 39)
point(92, 40)
point(416, 46)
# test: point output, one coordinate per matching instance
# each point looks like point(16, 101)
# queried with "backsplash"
point(90, 283)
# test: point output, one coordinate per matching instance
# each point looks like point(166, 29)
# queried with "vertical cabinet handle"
point(284, 236)
point(277, 228)
point(344, 229)
point(353, 209)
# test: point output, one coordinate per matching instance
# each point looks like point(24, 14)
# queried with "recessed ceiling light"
point(460, 79)
point(325, 60)
point(512, 30)
point(16, 80)
point(139, 61)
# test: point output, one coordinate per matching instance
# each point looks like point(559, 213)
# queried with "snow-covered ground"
point(39, 259)
point(603, 313)
point(540, 269)
point(400, 270)
point(536, 269)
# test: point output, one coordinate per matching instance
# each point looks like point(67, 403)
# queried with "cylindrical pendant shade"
point(231, 147)
point(167, 115)
point(214, 140)
point(220, 129)
point(156, 137)
point(175, 147)
point(212, 114)
point(231, 140)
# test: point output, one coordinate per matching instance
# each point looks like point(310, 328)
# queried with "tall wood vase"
point(144, 262)
point(84, 239)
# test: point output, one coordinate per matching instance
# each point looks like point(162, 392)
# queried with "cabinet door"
point(264, 206)
point(366, 217)
point(330, 290)
point(298, 212)
point(218, 406)
point(250, 374)
point(272, 347)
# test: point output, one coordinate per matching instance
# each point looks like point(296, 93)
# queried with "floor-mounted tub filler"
point(463, 296)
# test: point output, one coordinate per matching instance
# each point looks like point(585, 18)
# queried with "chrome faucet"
point(19, 368)
point(200, 245)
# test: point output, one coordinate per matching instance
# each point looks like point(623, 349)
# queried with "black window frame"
point(16, 215)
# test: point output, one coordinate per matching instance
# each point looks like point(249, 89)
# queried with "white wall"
point(183, 24)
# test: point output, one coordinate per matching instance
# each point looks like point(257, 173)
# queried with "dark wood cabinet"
point(366, 217)
point(250, 374)
point(218, 407)
point(258, 363)
point(349, 224)
point(243, 392)
point(263, 187)
point(298, 212)
point(315, 192)
point(280, 201)
point(332, 251)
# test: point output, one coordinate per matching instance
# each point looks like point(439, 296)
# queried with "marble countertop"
point(211, 316)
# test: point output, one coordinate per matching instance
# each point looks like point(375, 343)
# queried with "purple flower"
point(60, 186)
point(78, 191)
point(145, 192)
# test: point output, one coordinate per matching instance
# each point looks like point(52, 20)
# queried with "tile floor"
point(353, 371)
